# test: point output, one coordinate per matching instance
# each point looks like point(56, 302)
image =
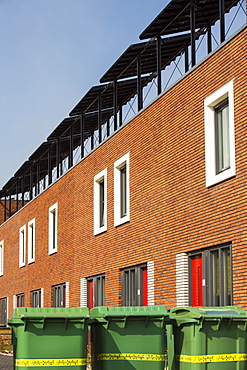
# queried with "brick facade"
point(171, 209)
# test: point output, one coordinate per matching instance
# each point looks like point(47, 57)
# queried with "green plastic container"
point(128, 337)
point(49, 337)
point(207, 338)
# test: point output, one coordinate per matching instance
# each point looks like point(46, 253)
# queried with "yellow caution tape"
point(51, 362)
point(129, 357)
point(212, 358)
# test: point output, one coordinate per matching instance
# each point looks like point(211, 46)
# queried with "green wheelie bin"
point(49, 337)
point(207, 338)
point(128, 338)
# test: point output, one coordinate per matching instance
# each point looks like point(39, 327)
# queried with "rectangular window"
point(36, 298)
point(59, 295)
point(20, 300)
point(22, 243)
point(100, 202)
point(31, 241)
point(53, 215)
point(222, 139)
point(134, 286)
point(3, 311)
point(219, 135)
point(121, 190)
point(1, 257)
point(96, 291)
point(211, 277)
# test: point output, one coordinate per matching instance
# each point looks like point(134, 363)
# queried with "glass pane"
point(222, 139)
point(227, 278)
point(123, 186)
point(101, 203)
point(215, 278)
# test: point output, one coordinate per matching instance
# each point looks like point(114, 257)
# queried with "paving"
point(6, 362)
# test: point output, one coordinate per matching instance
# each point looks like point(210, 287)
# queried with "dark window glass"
point(36, 298)
point(222, 137)
point(134, 286)
point(102, 203)
point(215, 280)
point(20, 300)
point(96, 291)
point(123, 190)
point(59, 295)
point(3, 311)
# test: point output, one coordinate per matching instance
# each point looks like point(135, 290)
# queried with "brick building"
point(152, 211)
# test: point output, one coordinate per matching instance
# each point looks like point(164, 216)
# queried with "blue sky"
point(51, 53)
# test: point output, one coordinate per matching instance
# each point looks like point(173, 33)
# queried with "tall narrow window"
point(31, 241)
point(59, 295)
point(134, 286)
point(100, 202)
point(96, 291)
point(53, 215)
point(1, 257)
point(3, 311)
point(121, 190)
point(36, 298)
point(20, 300)
point(222, 139)
point(22, 246)
point(219, 135)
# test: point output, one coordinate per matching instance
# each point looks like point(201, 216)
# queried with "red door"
point(90, 294)
point(196, 264)
point(145, 286)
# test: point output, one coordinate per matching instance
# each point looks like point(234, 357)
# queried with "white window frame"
point(97, 180)
point(1, 257)
point(53, 229)
point(31, 241)
point(123, 161)
point(22, 246)
point(225, 92)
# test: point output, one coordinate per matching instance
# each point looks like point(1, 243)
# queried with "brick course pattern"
point(171, 210)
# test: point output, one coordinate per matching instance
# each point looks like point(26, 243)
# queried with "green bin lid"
point(144, 311)
point(21, 313)
point(194, 314)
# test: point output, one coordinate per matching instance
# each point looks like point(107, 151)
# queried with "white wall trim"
point(97, 180)
point(210, 102)
point(182, 279)
point(22, 246)
point(150, 273)
point(1, 257)
point(83, 292)
point(124, 160)
point(31, 242)
point(53, 229)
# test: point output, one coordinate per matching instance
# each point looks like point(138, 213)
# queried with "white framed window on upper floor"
point(100, 202)
point(1, 257)
point(219, 135)
point(121, 190)
point(22, 246)
point(31, 241)
point(53, 218)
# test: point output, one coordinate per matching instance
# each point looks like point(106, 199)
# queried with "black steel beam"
point(158, 61)
point(186, 59)
point(5, 208)
point(22, 191)
point(100, 118)
point(58, 156)
point(49, 167)
point(222, 19)
point(82, 134)
point(108, 127)
point(31, 184)
point(139, 83)
point(209, 39)
point(17, 183)
point(115, 107)
point(92, 140)
point(120, 116)
point(71, 145)
point(192, 32)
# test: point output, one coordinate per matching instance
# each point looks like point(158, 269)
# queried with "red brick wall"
point(172, 211)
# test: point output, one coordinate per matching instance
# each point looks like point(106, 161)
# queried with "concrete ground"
point(6, 362)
